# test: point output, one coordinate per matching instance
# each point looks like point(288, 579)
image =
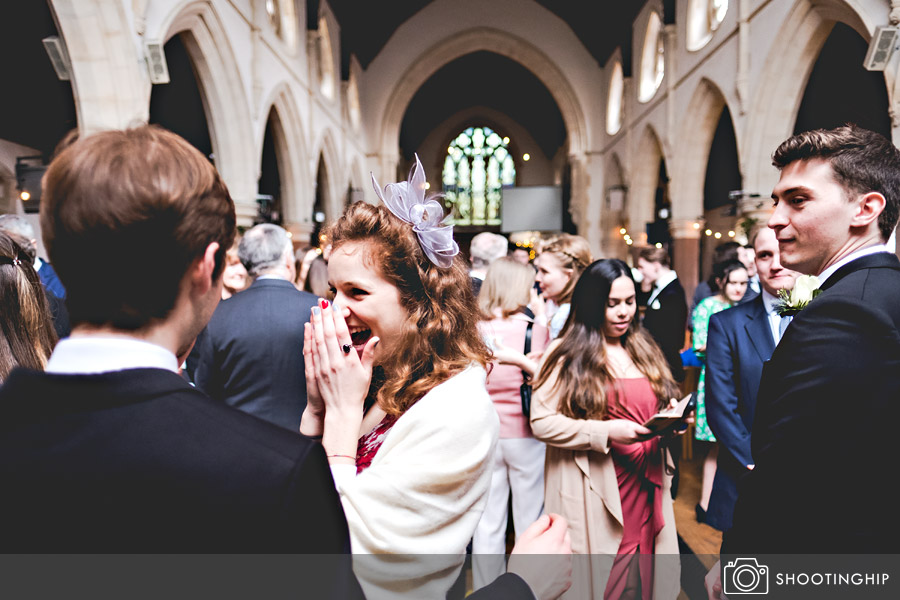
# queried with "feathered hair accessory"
point(406, 200)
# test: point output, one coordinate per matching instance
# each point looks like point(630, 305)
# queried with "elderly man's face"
point(812, 216)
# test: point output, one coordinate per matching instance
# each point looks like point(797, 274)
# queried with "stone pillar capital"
point(686, 229)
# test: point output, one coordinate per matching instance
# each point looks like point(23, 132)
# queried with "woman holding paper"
point(598, 382)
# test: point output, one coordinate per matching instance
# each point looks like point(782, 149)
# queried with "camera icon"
point(745, 576)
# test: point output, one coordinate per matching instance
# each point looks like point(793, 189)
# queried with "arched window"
point(704, 18)
point(653, 59)
point(283, 19)
point(326, 59)
point(353, 107)
point(615, 99)
point(477, 168)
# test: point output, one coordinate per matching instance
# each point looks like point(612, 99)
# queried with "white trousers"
point(519, 465)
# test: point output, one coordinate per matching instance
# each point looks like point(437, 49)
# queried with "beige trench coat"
point(580, 484)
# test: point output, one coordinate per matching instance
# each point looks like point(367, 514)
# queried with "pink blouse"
point(503, 381)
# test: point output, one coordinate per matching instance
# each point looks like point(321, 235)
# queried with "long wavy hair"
point(583, 374)
point(440, 338)
point(27, 336)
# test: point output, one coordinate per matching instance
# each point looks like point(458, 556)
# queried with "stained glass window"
point(477, 168)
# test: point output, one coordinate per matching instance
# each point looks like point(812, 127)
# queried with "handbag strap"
point(525, 375)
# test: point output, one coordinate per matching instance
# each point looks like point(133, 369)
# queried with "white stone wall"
point(245, 70)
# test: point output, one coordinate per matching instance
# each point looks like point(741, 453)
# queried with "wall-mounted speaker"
point(156, 62)
point(883, 44)
point(59, 57)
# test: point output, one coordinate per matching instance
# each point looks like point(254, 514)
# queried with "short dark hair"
point(124, 214)
point(862, 161)
point(654, 254)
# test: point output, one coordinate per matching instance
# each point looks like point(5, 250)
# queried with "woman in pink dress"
point(518, 464)
point(598, 382)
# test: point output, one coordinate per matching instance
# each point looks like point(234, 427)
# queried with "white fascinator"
point(406, 200)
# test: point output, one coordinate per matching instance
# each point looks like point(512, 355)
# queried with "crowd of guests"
point(379, 396)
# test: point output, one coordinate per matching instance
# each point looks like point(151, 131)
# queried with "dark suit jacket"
point(250, 355)
point(824, 440)
point(739, 343)
point(140, 461)
point(667, 325)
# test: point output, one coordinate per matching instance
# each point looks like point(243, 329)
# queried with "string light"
point(717, 235)
point(25, 196)
point(526, 157)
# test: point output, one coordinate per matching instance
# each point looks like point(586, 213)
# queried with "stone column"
point(756, 210)
point(300, 233)
point(686, 252)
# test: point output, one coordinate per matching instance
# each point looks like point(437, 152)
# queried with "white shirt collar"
point(769, 301)
point(661, 283)
point(824, 275)
point(38, 263)
point(88, 355)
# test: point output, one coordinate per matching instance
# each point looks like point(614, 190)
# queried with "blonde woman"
point(518, 462)
point(559, 265)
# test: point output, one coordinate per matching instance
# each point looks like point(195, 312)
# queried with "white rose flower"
point(804, 289)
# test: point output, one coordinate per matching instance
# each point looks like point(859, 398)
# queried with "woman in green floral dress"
point(731, 278)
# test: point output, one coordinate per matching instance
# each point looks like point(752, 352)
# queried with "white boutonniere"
point(806, 288)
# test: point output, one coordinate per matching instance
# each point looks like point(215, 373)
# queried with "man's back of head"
point(266, 249)
point(486, 247)
point(124, 214)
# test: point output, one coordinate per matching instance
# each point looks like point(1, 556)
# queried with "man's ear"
point(203, 268)
point(870, 207)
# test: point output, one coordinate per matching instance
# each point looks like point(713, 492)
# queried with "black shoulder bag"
point(525, 388)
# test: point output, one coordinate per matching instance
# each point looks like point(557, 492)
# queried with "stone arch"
point(103, 56)
point(326, 149)
point(224, 98)
point(696, 136)
point(645, 174)
point(783, 80)
point(296, 182)
point(615, 211)
point(474, 40)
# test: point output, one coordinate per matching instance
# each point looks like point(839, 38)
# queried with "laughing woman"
point(598, 382)
point(409, 447)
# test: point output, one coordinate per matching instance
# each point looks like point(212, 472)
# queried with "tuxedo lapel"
point(871, 261)
point(757, 329)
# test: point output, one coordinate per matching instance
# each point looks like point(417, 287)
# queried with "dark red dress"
point(368, 445)
point(639, 472)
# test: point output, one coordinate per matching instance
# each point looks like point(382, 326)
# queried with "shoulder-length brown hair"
point(27, 336)
point(440, 338)
point(579, 359)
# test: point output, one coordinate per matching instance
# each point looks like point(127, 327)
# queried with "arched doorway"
point(854, 95)
point(178, 105)
point(320, 204)
point(723, 176)
point(269, 197)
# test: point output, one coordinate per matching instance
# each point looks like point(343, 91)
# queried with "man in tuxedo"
point(666, 315)
point(822, 438)
point(740, 341)
point(110, 450)
point(250, 355)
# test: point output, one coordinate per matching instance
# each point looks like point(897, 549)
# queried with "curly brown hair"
point(440, 338)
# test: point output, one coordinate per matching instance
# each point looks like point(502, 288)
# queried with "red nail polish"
point(323, 303)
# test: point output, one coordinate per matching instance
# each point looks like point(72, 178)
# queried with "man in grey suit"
point(250, 356)
point(740, 341)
